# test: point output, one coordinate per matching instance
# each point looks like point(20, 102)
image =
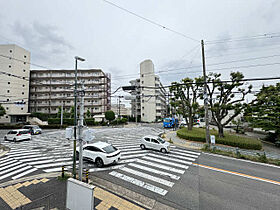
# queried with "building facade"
point(121, 110)
point(51, 89)
point(14, 91)
point(149, 101)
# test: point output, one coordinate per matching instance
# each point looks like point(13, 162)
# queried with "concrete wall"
point(14, 89)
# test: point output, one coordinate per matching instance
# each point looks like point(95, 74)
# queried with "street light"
point(75, 114)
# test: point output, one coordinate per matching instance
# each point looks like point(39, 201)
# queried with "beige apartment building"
point(14, 83)
point(149, 101)
point(50, 89)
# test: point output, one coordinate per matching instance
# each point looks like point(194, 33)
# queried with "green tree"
point(2, 111)
point(109, 115)
point(185, 98)
point(59, 112)
point(88, 114)
point(264, 111)
point(72, 112)
point(223, 100)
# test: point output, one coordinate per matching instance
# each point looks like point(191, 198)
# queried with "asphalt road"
point(183, 179)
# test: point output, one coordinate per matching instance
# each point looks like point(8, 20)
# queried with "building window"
point(23, 70)
point(24, 56)
point(23, 85)
point(23, 77)
point(142, 75)
point(9, 83)
point(7, 108)
point(10, 66)
point(142, 82)
point(142, 107)
point(143, 114)
point(6, 116)
point(22, 93)
point(24, 62)
point(8, 91)
point(8, 99)
point(21, 108)
point(11, 51)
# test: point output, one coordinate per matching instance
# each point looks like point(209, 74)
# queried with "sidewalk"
point(51, 193)
point(199, 145)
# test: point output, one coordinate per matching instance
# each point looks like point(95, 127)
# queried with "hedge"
point(11, 126)
point(198, 134)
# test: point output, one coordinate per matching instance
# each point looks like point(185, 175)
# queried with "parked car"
point(18, 135)
point(101, 153)
point(34, 129)
point(156, 143)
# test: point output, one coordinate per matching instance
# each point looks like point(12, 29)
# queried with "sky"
point(117, 41)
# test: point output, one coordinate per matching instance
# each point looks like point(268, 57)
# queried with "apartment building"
point(149, 101)
point(121, 109)
point(14, 84)
point(50, 89)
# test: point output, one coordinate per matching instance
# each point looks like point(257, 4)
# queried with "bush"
point(198, 134)
point(11, 126)
point(42, 116)
point(90, 121)
point(53, 126)
point(66, 121)
point(271, 137)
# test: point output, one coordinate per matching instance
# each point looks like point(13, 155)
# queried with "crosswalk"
point(47, 153)
point(150, 170)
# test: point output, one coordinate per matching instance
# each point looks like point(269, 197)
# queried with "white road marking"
point(170, 159)
point(186, 151)
point(132, 156)
point(54, 170)
point(133, 152)
point(9, 166)
point(7, 163)
point(139, 183)
point(34, 159)
point(184, 154)
point(42, 162)
point(128, 161)
point(172, 176)
point(24, 173)
point(180, 157)
point(28, 156)
point(157, 165)
point(165, 162)
point(5, 158)
point(105, 169)
point(11, 169)
point(15, 172)
point(54, 164)
point(148, 176)
point(23, 155)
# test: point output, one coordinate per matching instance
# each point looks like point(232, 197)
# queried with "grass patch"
point(260, 158)
point(66, 176)
point(198, 134)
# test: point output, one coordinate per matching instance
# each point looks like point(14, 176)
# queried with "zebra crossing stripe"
point(187, 151)
point(5, 158)
point(172, 176)
point(8, 162)
point(34, 159)
point(23, 155)
point(15, 172)
point(9, 166)
point(27, 156)
point(180, 157)
point(139, 183)
point(11, 169)
point(129, 149)
point(54, 170)
point(133, 152)
point(148, 176)
point(167, 168)
point(128, 161)
point(54, 164)
point(123, 147)
point(171, 159)
point(42, 162)
point(24, 173)
point(132, 156)
point(166, 162)
point(184, 154)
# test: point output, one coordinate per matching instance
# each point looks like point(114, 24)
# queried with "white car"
point(18, 135)
point(156, 143)
point(101, 153)
point(34, 129)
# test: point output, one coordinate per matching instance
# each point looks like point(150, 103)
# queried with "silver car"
point(156, 143)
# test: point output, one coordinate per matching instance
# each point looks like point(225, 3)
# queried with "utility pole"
point(205, 96)
point(75, 115)
point(80, 128)
point(61, 116)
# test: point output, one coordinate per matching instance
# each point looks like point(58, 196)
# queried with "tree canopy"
point(2, 111)
point(226, 98)
point(185, 98)
point(264, 111)
point(109, 115)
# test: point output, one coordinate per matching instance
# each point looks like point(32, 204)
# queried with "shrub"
point(66, 121)
point(198, 134)
point(53, 126)
point(11, 126)
point(90, 121)
point(42, 116)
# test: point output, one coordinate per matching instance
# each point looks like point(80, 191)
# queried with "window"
point(23, 70)
point(154, 141)
point(23, 85)
point(7, 108)
point(21, 108)
point(8, 99)
point(24, 62)
point(10, 66)
point(147, 139)
point(142, 82)
point(23, 77)
point(11, 51)
point(142, 107)
point(22, 93)
point(9, 83)
point(142, 75)
point(110, 149)
point(7, 117)
point(24, 56)
point(8, 91)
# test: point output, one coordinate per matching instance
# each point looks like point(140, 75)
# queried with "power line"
point(244, 38)
point(150, 21)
